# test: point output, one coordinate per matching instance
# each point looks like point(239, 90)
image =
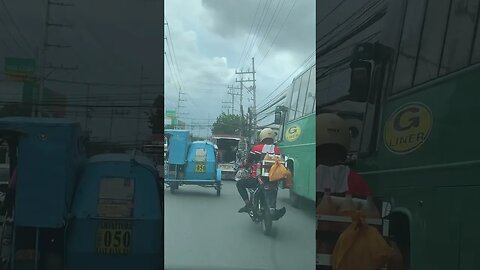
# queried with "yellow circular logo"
point(408, 128)
point(292, 133)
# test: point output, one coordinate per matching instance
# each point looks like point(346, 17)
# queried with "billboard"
point(20, 69)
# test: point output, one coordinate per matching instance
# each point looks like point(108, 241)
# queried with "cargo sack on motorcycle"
point(360, 247)
point(278, 172)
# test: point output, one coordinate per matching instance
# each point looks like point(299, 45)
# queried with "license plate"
point(114, 237)
point(199, 168)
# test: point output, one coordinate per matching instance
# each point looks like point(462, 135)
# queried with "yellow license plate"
point(199, 168)
point(114, 237)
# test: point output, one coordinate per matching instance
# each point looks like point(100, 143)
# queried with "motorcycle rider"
point(257, 153)
point(333, 142)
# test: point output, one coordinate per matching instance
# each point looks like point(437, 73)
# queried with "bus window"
point(309, 102)
point(430, 50)
point(476, 46)
point(293, 103)
point(458, 42)
point(334, 85)
point(409, 43)
point(302, 94)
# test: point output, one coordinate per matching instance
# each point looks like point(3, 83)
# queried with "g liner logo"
point(292, 133)
point(408, 128)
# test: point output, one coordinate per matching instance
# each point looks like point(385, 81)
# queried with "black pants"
point(271, 193)
point(242, 186)
point(9, 201)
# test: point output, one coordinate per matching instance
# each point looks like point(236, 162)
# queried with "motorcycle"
point(263, 200)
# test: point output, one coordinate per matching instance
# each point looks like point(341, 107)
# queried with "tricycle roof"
point(176, 131)
point(203, 142)
point(121, 158)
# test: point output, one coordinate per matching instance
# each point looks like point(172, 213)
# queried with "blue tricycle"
point(190, 163)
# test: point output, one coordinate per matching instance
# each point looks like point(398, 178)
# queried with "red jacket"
point(357, 185)
point(13, 180)
point(256, 150)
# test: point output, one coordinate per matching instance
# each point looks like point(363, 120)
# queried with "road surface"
point(203, 231)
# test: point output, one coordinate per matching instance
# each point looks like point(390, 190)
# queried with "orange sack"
point(278, 172)
point(360, 247)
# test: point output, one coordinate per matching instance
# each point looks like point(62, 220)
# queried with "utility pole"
point(254, 93)
point(231, 91)
point(228, 107)
point(180, 100)
point(42, 67)
point(252, 89)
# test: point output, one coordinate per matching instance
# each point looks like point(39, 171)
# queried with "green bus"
point(412, 101)
point(297, 134)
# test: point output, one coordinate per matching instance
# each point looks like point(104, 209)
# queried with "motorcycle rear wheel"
point(267, 222)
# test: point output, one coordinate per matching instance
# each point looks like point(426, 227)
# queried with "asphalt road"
point(203, 231)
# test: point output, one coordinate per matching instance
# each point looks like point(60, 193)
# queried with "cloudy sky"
point(213, 38)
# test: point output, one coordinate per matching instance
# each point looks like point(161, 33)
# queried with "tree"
point(155, 116)
point(229, 124)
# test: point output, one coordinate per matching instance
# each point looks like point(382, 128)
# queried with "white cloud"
point(209, 37)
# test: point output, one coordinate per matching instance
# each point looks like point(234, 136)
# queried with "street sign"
point(20, 69)
point(171, 114)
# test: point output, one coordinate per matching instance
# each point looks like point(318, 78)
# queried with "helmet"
point(332, 129)
point(267, 133)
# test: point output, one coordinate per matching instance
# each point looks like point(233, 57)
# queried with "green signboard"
point(20, 68)
point(171, 114)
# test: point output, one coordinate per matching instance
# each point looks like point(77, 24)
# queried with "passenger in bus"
point(333, 143)
point(257, 153)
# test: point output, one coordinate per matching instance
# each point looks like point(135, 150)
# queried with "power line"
point(278, 33)
point(78, 105)
point(16, 27)
point(104, 83)
point(274, 103)
point(363, 10)
point(257, 30)
point(175, 79)
point(291, 74)
point(249, 34)
point(171, 65)
point(6, 45)
point(370, 21)
point(330, 13)
point(11, 34)
point(276, 12)
point(173, 52)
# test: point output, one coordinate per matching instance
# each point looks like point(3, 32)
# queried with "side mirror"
point(278, 118)
point(360, 80)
